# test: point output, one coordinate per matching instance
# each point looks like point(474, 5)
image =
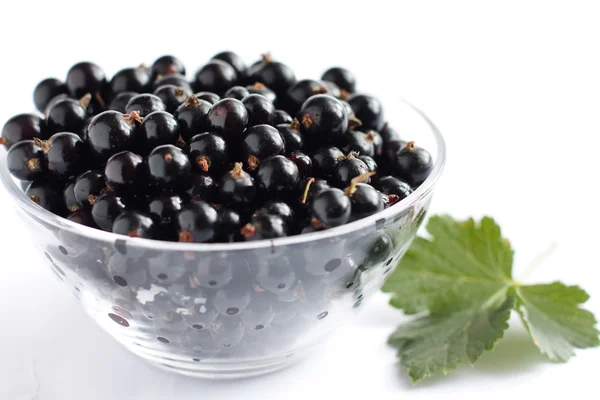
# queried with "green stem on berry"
point(306, 189)
point(358, 179)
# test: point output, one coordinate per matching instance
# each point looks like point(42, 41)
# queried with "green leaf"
point(465, 263)
point(439, 343)
point(553, 316)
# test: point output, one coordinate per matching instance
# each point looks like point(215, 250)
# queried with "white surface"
point(513, 85)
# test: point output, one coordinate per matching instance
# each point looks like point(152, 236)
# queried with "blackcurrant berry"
point(126, 172)
point(260, 142)
point(228, 117)
point(389, 134)
point(134, 224)
point(334, 90)
point(156, 129)
point(88, 187)
point(169, 167)
point(204, 187)
point(325, 159)
point(279, 208)
point(85, 77)
point(348, 109)
point(301, 91)
point(260, 109)
point(145, 104)
point(303, 162)
point(275, 75)
point(281, 117)
point(22, 127)
point(292, 137)
point(164, 208)
point(264, 226)
point(229, 223)
point(331, 208)
point(237, 92)
point(130, 80)
point(208, 153)
point(68, 115)
point(112, 132)
point(359, 142)
point(47, 195)
point(166, 65)
point(69, 195)
point(412, 164)
point(53, 101)
point(277, 175)
point(368, 110)
point(211, 97)
point(46, 90)
point(65, 154)
point(176, 80)
point(348, 169)
point(342, 78)
point(323, 118)
point(369, 162)
point(216, 76)
point(120, 101)
point(172, 96)
point(365, 200)
point(237, 186)
point(25, 161)
point(106, 208)
point(191, 117)
point(235, 61)
point(259, 88)
point(196, 222)
point(82, 217)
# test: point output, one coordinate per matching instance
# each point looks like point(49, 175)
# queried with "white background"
point(513, 85)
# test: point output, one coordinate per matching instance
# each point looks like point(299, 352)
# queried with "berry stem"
point(319, 90)
point(253, 162)
point(295, 125)
point(410, 146)
point(3, 141)
point(306, 189)
point(267, 58)
point(33, 164)
point(354, 122)
point(316, 224)
point(248, 231)
point(203, 162)
point(258, 86)
point(344, 94)
point(237, 172)
point(192, 101)
point(42, 144)
point(85, 101)
point(307, 121)
point(180, 142)
point(179, 92)
point(133, 117)
point(358, 179)
point(186, 237)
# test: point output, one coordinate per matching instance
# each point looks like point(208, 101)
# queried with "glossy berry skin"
point(119, 102)
point(369, 162)
point(281, 117)
point(348, 108)
point(167, 65)
point(359, 142)
point(208, 152)
point(301, 91)
point(126, 173)
point(347, 169)
point(237, 186)
point(260, 142)
point(303, 162)
point(65, 154)
point(172, 96)
point(292, 137)
point(164, 208)
point(235, 61)
point(259, 88)
point(112, 132)
point(368, 110)
point(67, 115)
point(275, 75)
point(341, 77)
point(156, 129)
point(334, 90)
point(277, 174)
point(264, 226)
point(192, 117)
point(82, 217)
point(365, 200)
point(413, 164)
point(229, 223)
point(168, 167)
point(216, 76)
point(196, 222)
point(331, 208)
point(390, 185)
point(134, 224)
point(176, 80)
point(130, 80)
point(237, 92)
point(325, 159)
point(260, 109)
point(69, 196)
point(85, 77)
point(47, 195)
point(88, 187)
point(106, 209)
point(46, 90)
point(145, 104)
point(211, 97)
point(22, 127)
point(323, 118)
point(278, 208)
point(228, 117)
point(25, 161)
point(204, 187)
point(389, 134)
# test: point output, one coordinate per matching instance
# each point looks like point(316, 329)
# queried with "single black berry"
point(359, 142)
point(164, 208)
point(172, 96)
point(216, 76)
point(348, 169)
point(279, 208)
point(126, 172)
point(175, 79)
point(229, 223)
point(47, 195)
point(25, 161)
point(394, 186)
point(192, 117)
point(168, 167)
point(22, 127)
point(325, 159)
point(105, 209)
point(259, 88)
point(303, 162)
point(342, 78)
point(389, 134)
point(281, 117)
point(413, 164)
point(68, 115)
point(301, 91)
point(228, 117)
point(156, 129)
point(275, 75)
point(331, 208)
point(46, 90)
point(166, 65)
point(334, 90)
point(211, 97)
point(145, 104)
point(69, 195)
point(292, 137)
point(65, 154)
point(277, 174)
point(260, 142)
point(130, 80)
point(264, 226)
point(119, 102)
point(235, 61)
point(86, 77)
point(134, 224)
point(204, 187)
point(112, 132)
point(368, 110)
point(369, 162)
point(208, 152)
point(365, 200)
point(196, 222)
point(88, 187)
point(260, 109)
point(237, 186)
point(236, 92)
point(323, 118)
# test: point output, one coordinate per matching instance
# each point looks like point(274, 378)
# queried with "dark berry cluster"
point(237, 153)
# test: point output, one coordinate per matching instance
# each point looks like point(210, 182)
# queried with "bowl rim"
point(96, 234)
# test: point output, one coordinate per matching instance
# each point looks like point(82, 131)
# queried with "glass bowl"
point(236, 309)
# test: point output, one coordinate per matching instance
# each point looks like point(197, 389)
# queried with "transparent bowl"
point(236, 309)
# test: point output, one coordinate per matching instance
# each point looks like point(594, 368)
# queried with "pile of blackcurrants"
point(253, 154)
